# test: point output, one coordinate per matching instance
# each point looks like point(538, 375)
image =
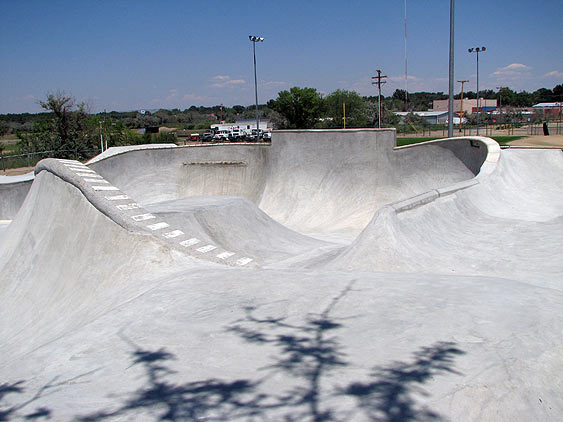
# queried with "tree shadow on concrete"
point(210, 400)
point(311, 352)
point(5, 389)
point(306, 352)
point(15, 412)
point(389, 395)
point(305, 355)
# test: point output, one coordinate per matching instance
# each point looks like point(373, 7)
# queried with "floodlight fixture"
point(254, 40)
point(477, 50)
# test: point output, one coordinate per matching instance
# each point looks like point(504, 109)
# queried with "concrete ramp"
point(508, 224)
point(309, 181)
point(63, 262)
point(235, 223)
point(327, 276)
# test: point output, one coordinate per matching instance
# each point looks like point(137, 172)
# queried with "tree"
point(65, 132)
point(4, 128)
point(238, 109)
point(388, 118)
point(300, 106)
point(356, 111)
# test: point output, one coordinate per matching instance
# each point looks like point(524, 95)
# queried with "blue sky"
point(126, 55)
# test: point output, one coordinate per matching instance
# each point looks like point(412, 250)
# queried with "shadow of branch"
point(389, 395)
point(13, 412)
point(308, 351)
point(211, 400)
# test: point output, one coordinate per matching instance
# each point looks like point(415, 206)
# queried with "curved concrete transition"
point(329, 276)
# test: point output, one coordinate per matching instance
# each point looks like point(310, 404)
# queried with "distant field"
point(9, 146)
point(11, 137)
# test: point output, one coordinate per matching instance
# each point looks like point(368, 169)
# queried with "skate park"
point(329, 275)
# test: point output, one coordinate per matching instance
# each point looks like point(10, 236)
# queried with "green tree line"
point(360, 110)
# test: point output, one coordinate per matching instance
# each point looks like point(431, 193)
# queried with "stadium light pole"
point(451, 74)
point(477, 50)
point(254, 40)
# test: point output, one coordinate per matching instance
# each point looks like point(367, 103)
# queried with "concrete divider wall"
point(12, 196)
point(309, 180)
point(334, 180)
point(158, 175)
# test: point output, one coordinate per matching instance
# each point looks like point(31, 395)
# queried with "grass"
point(502, 140)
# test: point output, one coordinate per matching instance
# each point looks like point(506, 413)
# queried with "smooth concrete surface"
point(13, 190)
point(301, 173)
point(367, 283)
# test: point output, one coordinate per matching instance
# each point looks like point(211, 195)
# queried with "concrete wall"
point(158, 175)
point(12, 196)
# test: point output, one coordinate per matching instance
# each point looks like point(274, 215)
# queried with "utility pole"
point(461, 104)
point(500, 93)
point(344, 114)
point(379, 77)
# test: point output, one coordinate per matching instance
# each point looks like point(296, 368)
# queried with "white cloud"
point(273, 83)
point(223, 81)
point(172, 94)
point(193, 97)
point(402, 78)
point(512, 71)
point(554, 74)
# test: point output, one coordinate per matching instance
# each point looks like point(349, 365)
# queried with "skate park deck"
point(334, 277)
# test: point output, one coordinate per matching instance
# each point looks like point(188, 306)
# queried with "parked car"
point(237, 135)
point(263, 134)
point(222, 136)
point(207, 136)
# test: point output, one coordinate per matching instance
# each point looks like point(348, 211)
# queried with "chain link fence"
point(12, 161)
point(555, 127)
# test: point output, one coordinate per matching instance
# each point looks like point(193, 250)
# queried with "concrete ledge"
point(27, 177)
point(448, 190)
point(217, 163)
point(470, 151)
point(415, 201)
point(110, 152)
point(431, 196)
point(115, 151)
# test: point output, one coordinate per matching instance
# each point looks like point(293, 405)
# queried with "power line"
point(461, 104)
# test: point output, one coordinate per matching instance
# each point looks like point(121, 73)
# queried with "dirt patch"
point(16, 172)
point(539, 141)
